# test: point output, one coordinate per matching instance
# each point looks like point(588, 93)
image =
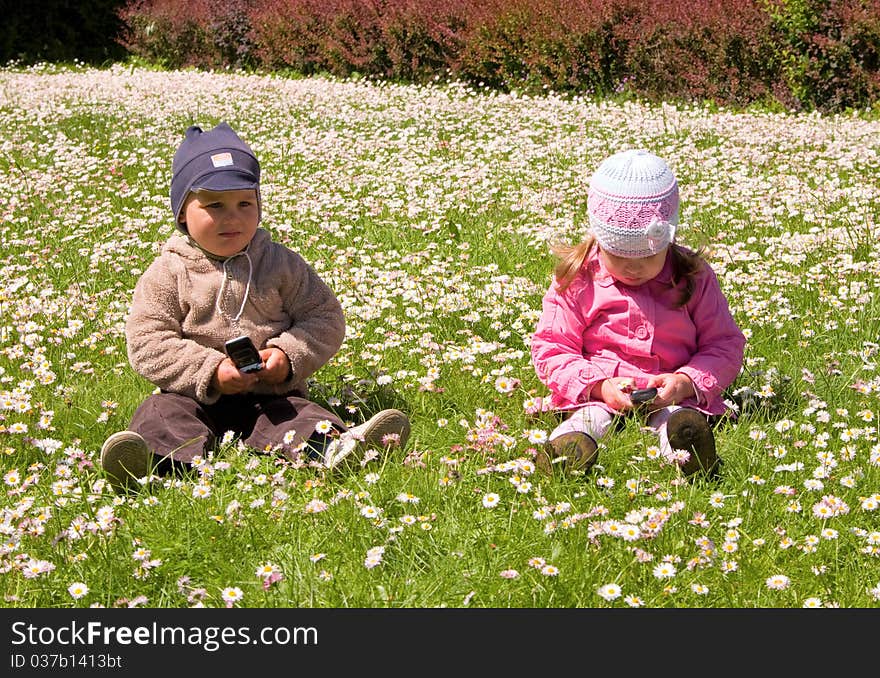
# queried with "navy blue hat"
point(217, 160)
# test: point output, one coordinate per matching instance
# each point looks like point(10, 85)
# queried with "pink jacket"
point(600, 328)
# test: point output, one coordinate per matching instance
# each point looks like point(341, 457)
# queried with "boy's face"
point(224, 222)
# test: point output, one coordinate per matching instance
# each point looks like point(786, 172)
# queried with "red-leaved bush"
point(816, 54)
point(715, 50)
point(202, 33)
point(408, 40)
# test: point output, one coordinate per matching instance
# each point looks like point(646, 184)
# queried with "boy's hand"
point(671, 389)
point(228, 379)
point(276, 366)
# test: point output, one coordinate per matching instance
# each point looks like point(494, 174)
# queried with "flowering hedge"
point(803, 54)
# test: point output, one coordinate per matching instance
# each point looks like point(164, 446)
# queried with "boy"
point(222, 277)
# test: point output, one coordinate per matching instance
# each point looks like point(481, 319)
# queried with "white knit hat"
point(633, 204)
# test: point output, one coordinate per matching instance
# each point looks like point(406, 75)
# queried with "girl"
point(630, 309)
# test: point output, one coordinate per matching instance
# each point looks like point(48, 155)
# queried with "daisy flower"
point(267, 570)
point(374, 557)
point(609, 592)
point(313, 506)
point(509, 574)
point(778, 582)
point(77, 590)
point(491, 500)
point(812, 602)
point(323, 427)
point(729, 546)
point(506, 384)
point(550, 571)
point(370, 512)
point(716, 500)
point(541, 513)
point(630, 532)
point(664, 571)
point(201, 491)
point(652, 452)
point(536, 436)
point(231, 595)
point(611, 527)
point(869, 503)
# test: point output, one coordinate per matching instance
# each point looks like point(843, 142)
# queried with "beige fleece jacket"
point(178, 320)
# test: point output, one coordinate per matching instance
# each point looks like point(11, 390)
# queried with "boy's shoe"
point(125, 457)
point(569, 452)
point(383, 430)
point(689, 430)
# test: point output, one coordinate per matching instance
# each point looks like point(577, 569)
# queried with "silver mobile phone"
point(244, 354)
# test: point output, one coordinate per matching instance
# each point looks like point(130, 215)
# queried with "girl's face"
point(221, 222)
point(634, 272)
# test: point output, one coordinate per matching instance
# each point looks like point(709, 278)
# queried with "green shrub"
point(829, 51)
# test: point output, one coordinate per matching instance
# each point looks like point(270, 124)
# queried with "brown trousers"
point(179, 428)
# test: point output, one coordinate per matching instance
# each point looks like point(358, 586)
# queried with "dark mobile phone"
point(643, 395)
point(244, 354)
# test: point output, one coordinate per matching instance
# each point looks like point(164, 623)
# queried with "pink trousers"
point(594, 420)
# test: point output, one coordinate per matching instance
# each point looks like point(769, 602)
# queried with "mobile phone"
point(643, 395)
point(244, 354)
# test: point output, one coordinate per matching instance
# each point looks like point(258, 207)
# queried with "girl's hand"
point(614, 392)
point(671, 389)
point(276, 366)
point(228, 379)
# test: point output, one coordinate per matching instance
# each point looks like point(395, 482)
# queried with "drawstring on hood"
point(225, 261)
point(247, 288)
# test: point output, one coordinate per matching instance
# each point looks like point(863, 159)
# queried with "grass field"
point(429, 211)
